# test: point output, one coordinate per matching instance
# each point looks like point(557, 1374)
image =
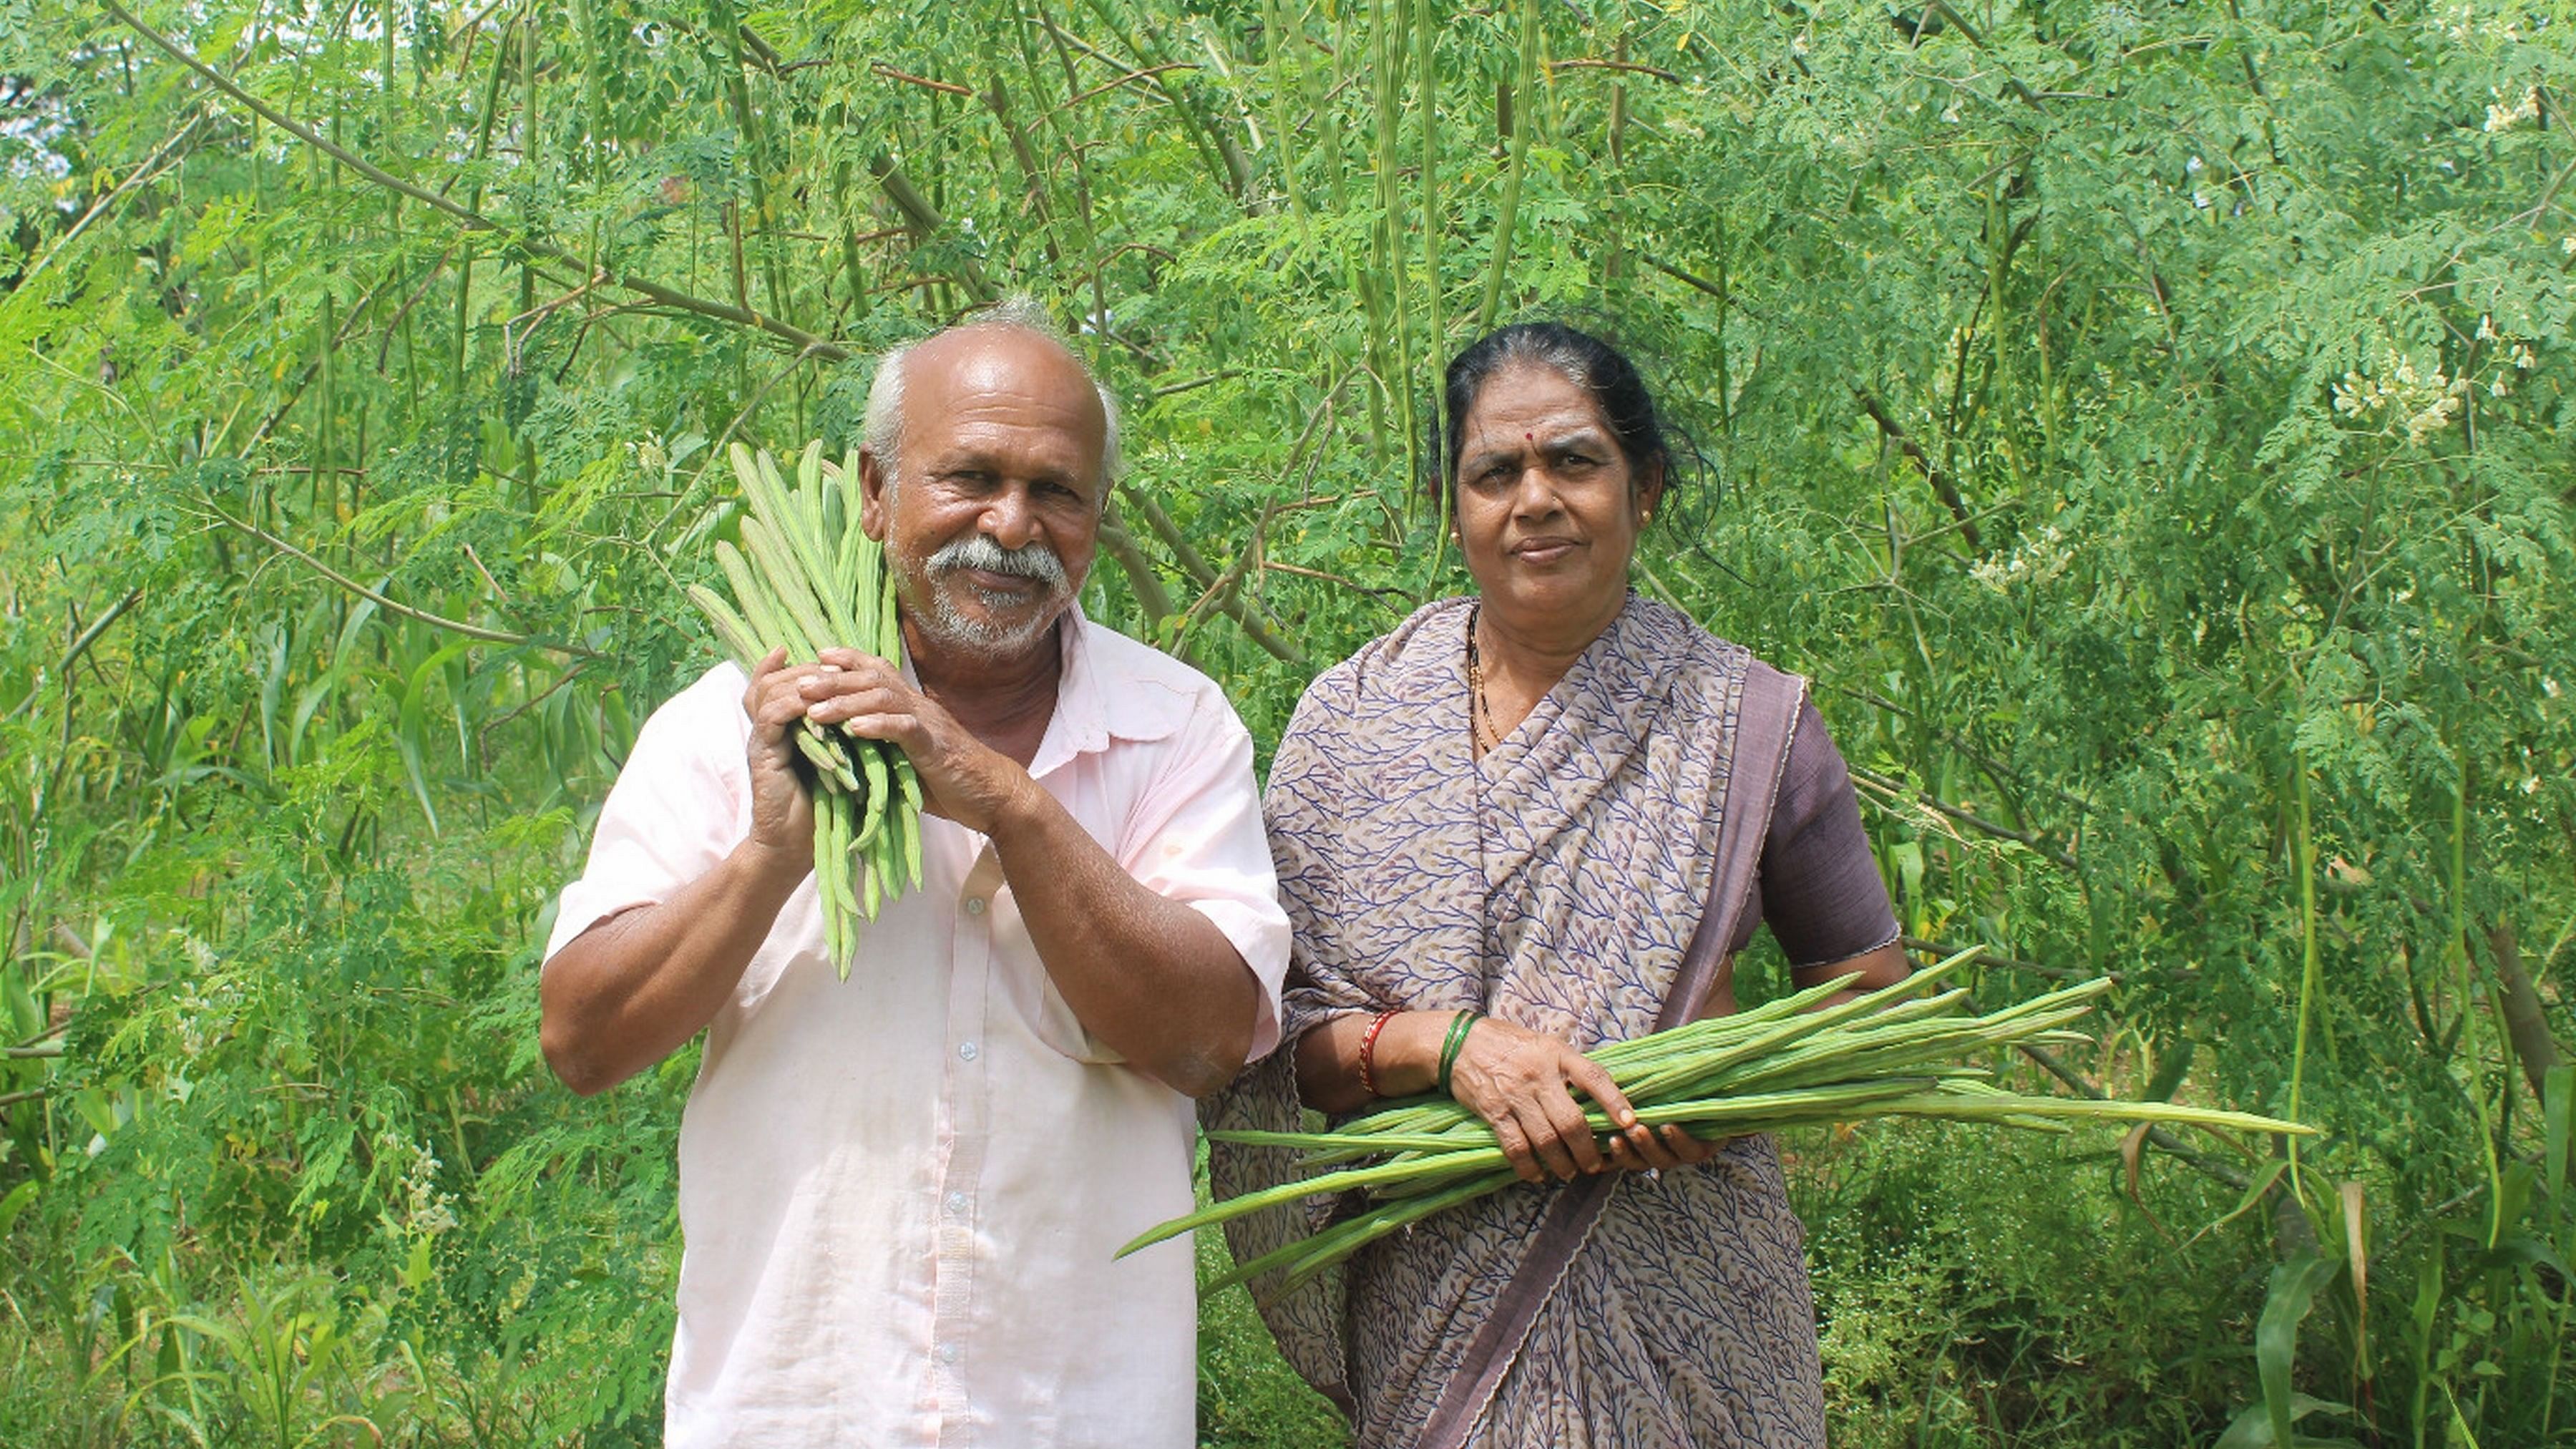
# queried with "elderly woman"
point(1525, 824)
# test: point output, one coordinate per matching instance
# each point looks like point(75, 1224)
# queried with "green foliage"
point(2146, 424)
point(1973, 1288)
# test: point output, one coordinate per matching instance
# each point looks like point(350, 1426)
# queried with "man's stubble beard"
point(994, 639)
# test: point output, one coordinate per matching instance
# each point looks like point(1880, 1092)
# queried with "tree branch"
point(2525, 1023)
point(80, 646)
point(1658, 72)
point(142, 174)
point(473, 220)
point(925, 219)
point(1940, 481)
point(2038, 844)
point(470, 631)
point(1196, 566)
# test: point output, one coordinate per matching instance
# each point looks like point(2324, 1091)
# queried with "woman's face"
point(1548, 508)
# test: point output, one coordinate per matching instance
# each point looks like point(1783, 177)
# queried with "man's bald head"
point(958, 346)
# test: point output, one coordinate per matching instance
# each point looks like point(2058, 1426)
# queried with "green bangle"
point(1450, 1045)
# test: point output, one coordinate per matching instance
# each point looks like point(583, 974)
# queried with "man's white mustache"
point(1032, 560)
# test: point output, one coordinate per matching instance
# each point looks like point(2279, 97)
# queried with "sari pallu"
point(1556, 884)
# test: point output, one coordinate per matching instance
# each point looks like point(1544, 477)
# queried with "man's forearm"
point(1153, 979)
point(634, 988)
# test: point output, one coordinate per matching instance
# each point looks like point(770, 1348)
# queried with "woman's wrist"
point(1405, 1060)
point(1453, 1042)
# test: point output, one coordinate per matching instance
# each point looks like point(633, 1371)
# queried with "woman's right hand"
point(1523, 1085)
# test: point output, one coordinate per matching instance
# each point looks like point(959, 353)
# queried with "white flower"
point(2502, 117)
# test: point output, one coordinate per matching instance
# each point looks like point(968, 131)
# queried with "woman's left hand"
point(1663, 1147)
point(1523, 1083)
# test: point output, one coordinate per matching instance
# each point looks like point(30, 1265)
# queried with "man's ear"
point(875, 507)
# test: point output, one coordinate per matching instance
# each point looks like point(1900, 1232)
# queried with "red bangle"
point(1368, 1051)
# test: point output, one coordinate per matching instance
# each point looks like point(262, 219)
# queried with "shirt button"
point(957, 1202)
point(966, 1051)
point(974, 905)
point(948, 1353)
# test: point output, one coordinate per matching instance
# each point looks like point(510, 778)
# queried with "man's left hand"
point(962, 778)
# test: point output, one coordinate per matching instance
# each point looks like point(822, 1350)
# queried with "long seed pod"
point(1892, 1053)
point(801, 528)
point(768, 618)
point(827, 763)
point(805, 577)
point(740, 639)
point(873, 760)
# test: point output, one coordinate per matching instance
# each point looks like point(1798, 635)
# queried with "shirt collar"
point(1090, 710)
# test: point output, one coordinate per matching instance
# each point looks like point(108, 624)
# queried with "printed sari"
point(1556, 883)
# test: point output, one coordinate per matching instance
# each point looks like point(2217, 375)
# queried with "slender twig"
point(466, 216)
point(142, 174)
point(483, 731)
point(1658, 72)
point(80, 646)
point(1702, 284)
point(2039, 845)
point(2548, 195)
point(471, 631)
point(1995, 769)
point(49, 1033)
point(1225, 584)
point(1147, 73)
point(1932, 473)
point(1152, 599)
point(1382, 595)
point(1195, 383)
point(476, 559)
point(1197, 567)
point(925, 221)
point(946, 88)
point(1942, 950)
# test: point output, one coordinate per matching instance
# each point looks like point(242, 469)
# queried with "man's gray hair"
point(884, 423)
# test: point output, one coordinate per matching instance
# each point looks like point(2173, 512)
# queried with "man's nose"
point(1009, 520)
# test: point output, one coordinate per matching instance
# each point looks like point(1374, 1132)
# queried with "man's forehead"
point(1005, 360)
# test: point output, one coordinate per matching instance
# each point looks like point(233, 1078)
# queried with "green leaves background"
point(2146, 423)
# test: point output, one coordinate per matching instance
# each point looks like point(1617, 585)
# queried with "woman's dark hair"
point(1598, 368)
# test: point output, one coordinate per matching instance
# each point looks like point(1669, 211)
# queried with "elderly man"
point(900, 1193)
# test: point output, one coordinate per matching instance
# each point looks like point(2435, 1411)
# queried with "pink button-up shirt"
point(900, 1193)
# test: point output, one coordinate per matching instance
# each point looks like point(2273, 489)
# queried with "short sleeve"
point(1197, 838)
point(1821, 892)
point(679, 807)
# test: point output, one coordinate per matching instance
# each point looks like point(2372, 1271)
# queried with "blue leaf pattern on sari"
point(1554, 884)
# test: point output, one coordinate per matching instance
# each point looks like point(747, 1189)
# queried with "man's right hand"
point(782, 814)
point(636, 986)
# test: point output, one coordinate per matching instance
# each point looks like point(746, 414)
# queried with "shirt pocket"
point(1026, 993)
